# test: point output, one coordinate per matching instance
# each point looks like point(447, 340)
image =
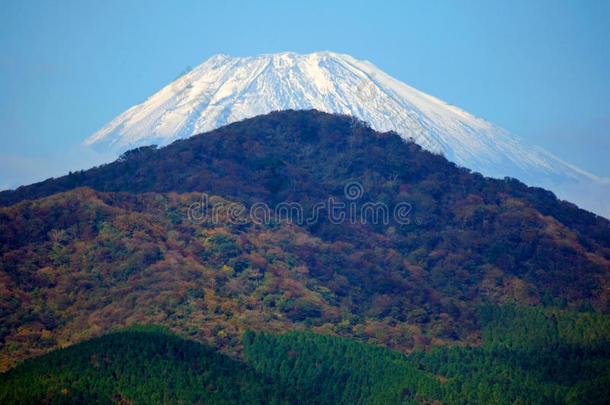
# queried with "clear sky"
point(540, 69)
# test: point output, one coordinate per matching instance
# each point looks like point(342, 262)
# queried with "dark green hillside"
point(528, 356)
point(140, 366)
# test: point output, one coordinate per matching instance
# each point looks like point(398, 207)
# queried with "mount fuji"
point(226, 89)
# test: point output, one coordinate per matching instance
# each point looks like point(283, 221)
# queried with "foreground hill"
point(144, 365)
point(129, 248)
point(528, 355)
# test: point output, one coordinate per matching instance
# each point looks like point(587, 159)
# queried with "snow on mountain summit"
point(226, 89)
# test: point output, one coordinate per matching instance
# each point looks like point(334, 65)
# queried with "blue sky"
point(537, 68)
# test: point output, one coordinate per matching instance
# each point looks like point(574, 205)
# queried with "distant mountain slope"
point(76, 263)
point(224, 89)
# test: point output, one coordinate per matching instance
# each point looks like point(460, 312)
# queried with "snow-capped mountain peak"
point(226, 89)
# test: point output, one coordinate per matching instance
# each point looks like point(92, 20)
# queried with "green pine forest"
point(528, 356)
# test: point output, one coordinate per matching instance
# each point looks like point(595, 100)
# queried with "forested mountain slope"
point(129, 249)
